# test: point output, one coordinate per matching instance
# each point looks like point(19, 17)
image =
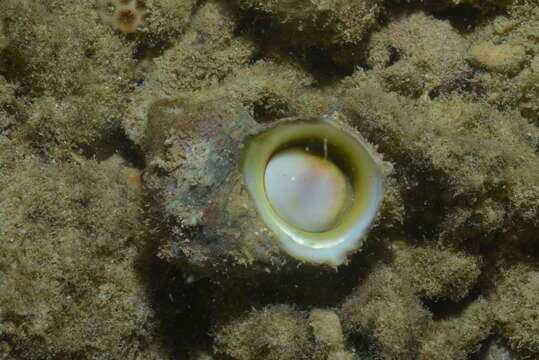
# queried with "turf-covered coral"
point(283, 332)
point(10, 106)
point(208, 51)
point(459, 335)
point(516, 308)
point(272, 90)
point(68, 243)
point(431, 54)
point(268, 90)
point(465, 148)
point(72, 72)
point(505, 52)
point(167, 19)
point(3, 38)
point(385, 309)
point(275, 332)
point(437, 273)
point(307, 23)
point(157, 21)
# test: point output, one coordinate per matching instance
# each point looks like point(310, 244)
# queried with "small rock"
point(327, 328)
point(504, 58)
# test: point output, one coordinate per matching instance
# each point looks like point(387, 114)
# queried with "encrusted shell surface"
point(193, 153)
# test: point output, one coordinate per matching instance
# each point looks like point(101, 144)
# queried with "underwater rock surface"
point(128, 234)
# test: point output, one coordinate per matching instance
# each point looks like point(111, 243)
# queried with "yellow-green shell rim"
point(356, 160)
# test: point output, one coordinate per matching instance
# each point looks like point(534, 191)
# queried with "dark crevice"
point(252, 23)
point(434, 94)
point(152, 50)
point(305, 287)
point(463, 17)
point(363, 346)
point(197, 6)
point(426, 207)
point(116, 143)
point(394, 56)
point(443, 309)
point(265, 114)
point(318, 61)
point(494, 339)
point(12, 65)
point(170, 296)
point(275, 45)
point(310, 287)
point(192, 326)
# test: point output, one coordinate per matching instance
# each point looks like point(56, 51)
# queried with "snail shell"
point(223, 183)
point(317, 184)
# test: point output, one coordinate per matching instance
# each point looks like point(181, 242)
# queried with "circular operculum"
point(316, 184)
point(307, 189)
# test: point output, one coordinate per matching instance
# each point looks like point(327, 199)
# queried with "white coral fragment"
point(127, 16)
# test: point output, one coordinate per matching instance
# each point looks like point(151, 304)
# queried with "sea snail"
point(235, 191)
point(316, 184)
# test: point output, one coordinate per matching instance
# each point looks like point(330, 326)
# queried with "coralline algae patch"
point(127, 16)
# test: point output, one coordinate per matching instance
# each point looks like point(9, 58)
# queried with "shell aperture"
point(326, 211)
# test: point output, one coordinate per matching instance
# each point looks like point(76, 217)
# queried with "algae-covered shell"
point(306, 183)
point(206, 165)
